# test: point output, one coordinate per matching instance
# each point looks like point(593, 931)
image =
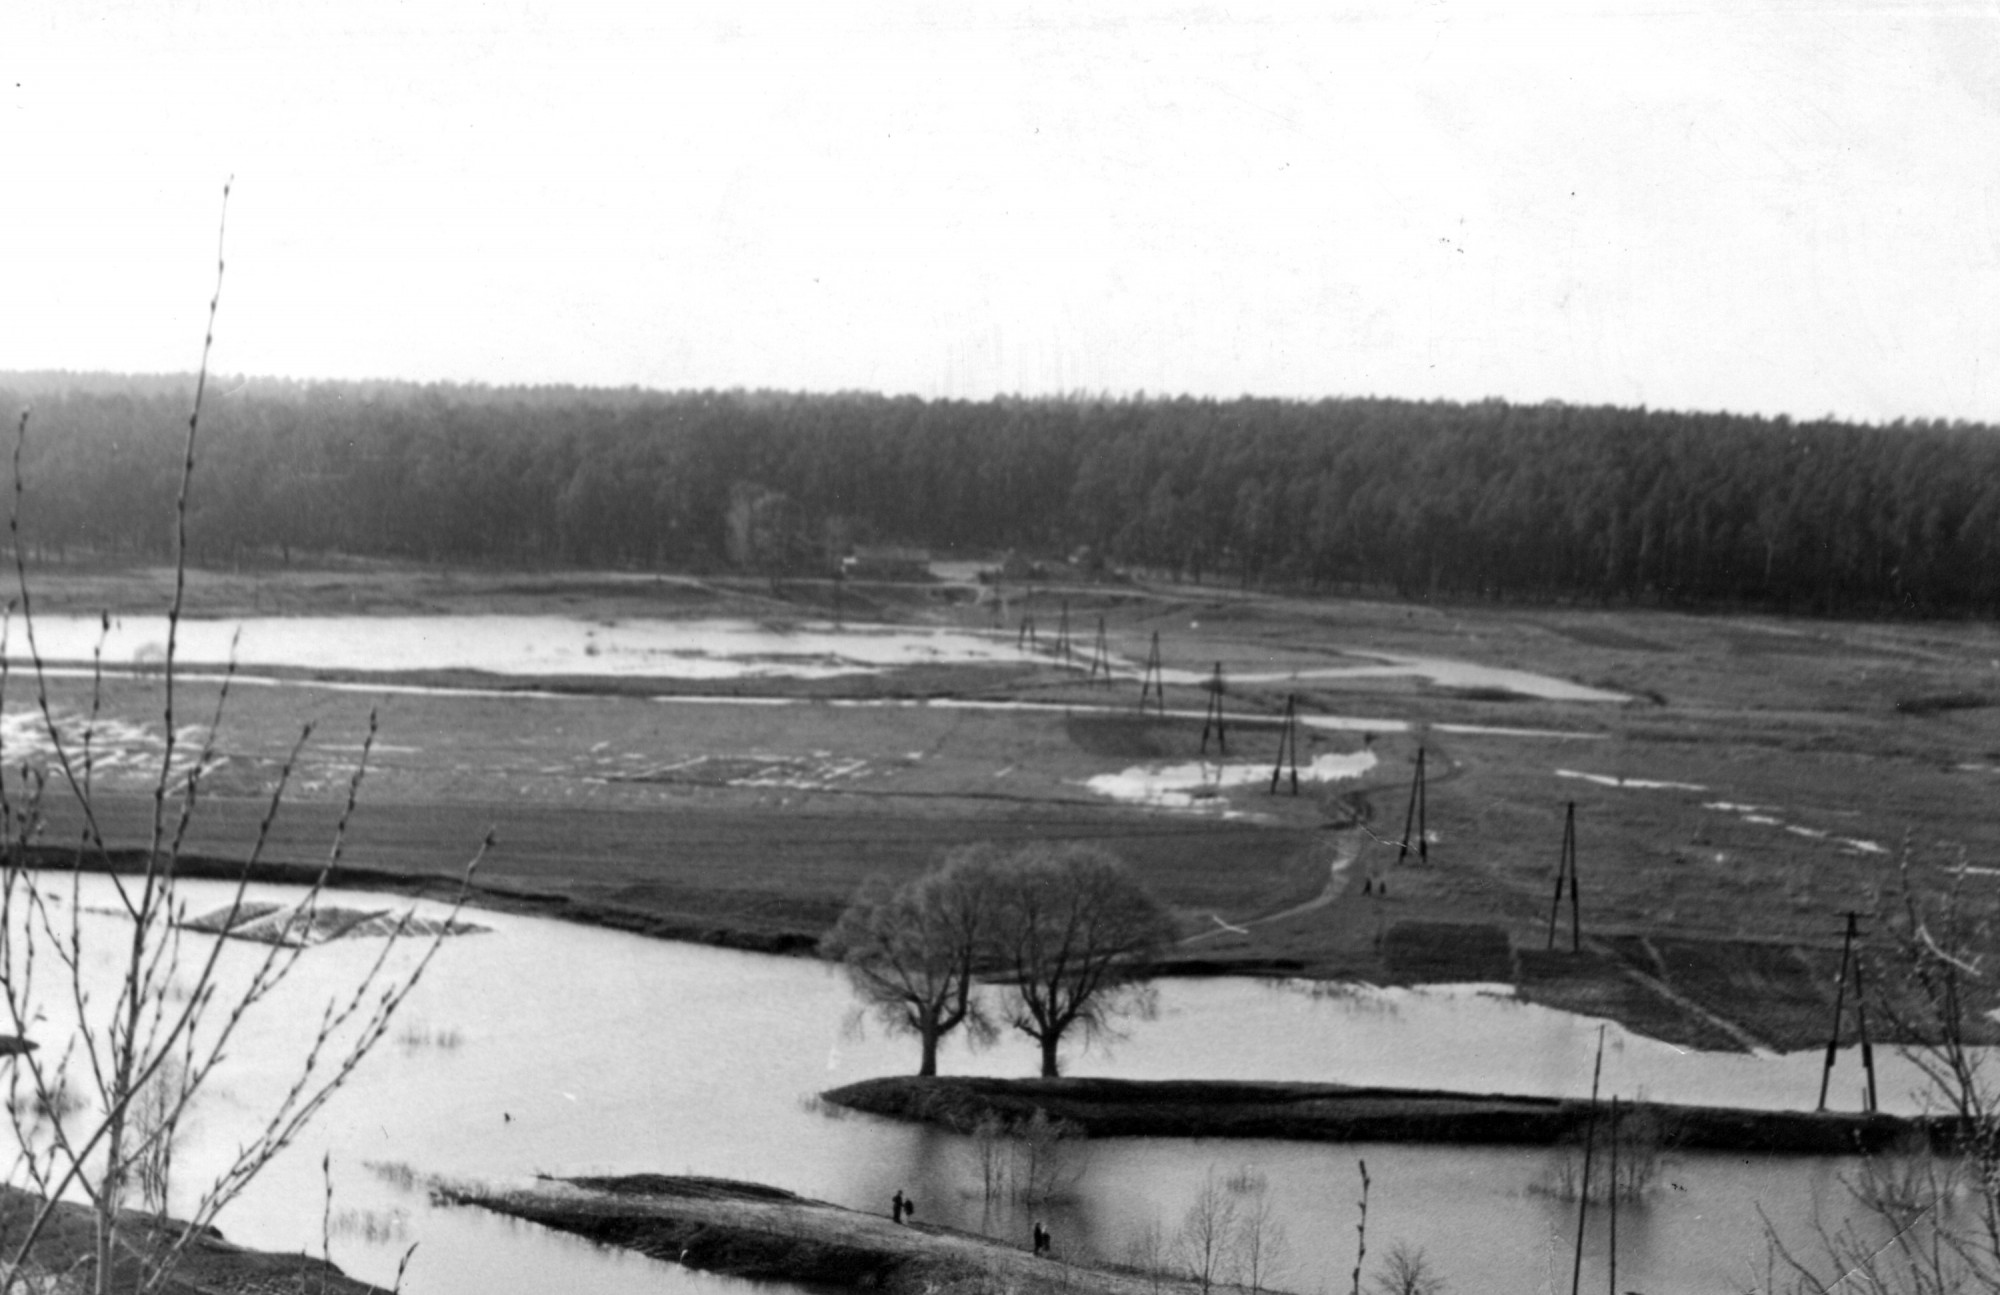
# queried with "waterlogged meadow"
point(694, 650)
point(516, 645)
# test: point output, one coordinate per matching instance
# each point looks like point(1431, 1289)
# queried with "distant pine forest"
point(1491, 501)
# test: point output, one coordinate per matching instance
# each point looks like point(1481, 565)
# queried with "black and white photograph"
point(1115, 648)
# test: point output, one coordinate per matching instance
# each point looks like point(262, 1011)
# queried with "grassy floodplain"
point(1756, 785)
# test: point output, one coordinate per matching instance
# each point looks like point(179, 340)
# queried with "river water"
point(542, 1047)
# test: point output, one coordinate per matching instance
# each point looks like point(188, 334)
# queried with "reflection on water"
point(575, 1050)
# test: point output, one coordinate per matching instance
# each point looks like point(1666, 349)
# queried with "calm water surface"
point(541, 1047)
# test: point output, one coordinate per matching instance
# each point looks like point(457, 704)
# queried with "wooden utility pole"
point(1100, 658)
point(1612, 1287)
point(1415, 817)
point(1062, 632)
point(1150, 683)
point(1027, 638)
point(1583, 1202)
point(1566, 872)
point(1213, 719)
point(1288, 746)
point(1850, 958)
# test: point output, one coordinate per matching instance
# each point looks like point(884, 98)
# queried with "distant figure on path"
point(1041, 1238)
point(902, 1206)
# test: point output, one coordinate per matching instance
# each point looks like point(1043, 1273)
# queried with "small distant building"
point(1087, 560)
point(882, 562)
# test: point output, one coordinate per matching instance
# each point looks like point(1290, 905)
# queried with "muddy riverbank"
point(748, 1230)
point(63, 1257)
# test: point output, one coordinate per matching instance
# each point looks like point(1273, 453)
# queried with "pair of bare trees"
point(134, 1013)
point(1230, 1235)
point(1065, 930)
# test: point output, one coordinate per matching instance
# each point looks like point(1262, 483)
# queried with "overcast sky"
point(1718, 204)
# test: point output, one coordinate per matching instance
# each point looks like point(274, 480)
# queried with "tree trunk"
point(929, 1065)
point(1049, 1042)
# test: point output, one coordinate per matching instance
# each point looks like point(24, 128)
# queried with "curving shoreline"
point(1606, 981)
point(748, 1230)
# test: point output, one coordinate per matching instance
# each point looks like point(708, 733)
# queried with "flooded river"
point(702, 649)
point(539, 1046)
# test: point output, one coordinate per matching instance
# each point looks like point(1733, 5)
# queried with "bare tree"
point(912, 952)
point(1032, 1160)
point(143, 1051)
point(1049, 1156)
point(1146, 1252)
point(1262, 1245)
point(1075, 939)
point(1207, 1244)
point(1406, 1271)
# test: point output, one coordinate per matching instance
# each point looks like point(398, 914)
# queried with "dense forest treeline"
point(1434, 499)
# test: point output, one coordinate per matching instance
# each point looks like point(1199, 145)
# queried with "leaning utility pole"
point(1566, 872)
point(1583, 1199)
point(1611, 1285)
point(1213, 719)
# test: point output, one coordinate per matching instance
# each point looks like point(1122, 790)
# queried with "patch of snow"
point(1766, 816)
point(99, 746)
point(1489, 730)
point(1642, 784)
point(1437, 670)
point(1200, 785)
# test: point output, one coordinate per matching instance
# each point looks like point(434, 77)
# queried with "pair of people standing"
point(902, 1208)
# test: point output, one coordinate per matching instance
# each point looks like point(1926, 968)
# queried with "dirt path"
point(1749, 1041)
point(1347, 847)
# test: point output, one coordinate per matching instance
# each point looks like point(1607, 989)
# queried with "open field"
point(1757, 783)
